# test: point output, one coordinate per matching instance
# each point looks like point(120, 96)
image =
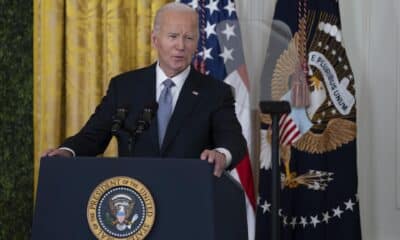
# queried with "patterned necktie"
point(164, 109)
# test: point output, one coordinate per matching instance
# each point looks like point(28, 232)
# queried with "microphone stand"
point(142, 125)
point(133, 135)
point(275, 109)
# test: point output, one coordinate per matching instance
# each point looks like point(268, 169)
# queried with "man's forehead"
point(179, 28)
point(185, 27)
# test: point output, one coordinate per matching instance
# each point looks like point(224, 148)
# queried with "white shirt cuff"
point(69, 150)
point(227, 154)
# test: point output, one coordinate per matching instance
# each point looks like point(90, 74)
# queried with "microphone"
point(143, 123)
point(118, 120)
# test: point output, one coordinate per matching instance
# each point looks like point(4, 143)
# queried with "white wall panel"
point(381, 74)
point(397, 80)
point(372, 39)
point(356, 25)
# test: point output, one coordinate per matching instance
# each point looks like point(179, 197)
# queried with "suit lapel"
point(188, 98)
point(148, 95)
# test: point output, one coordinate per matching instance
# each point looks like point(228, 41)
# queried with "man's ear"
point(154, 40)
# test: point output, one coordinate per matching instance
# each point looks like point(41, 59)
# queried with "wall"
point(371, 35)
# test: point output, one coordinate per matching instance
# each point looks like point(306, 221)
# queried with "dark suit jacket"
point(204, 118)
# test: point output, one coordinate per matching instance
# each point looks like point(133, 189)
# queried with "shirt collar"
point(178, 79)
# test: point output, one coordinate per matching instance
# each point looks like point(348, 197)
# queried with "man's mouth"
point(178, 57)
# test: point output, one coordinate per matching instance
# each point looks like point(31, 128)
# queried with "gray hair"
point(172, 6)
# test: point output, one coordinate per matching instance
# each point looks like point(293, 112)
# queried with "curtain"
point(78, 46)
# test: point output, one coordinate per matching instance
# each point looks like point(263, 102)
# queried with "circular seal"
point(121, 208)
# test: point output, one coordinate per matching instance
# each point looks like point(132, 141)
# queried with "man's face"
point(175, 41)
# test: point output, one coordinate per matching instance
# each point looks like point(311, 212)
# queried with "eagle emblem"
point(121, 207)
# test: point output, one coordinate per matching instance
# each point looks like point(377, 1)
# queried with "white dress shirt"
point(178, 80)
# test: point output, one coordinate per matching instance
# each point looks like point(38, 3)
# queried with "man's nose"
point(180, 43)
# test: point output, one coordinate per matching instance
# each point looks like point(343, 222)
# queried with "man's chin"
point(179, 68)
point(176, 68)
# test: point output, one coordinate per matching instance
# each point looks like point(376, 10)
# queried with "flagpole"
point(275, 109)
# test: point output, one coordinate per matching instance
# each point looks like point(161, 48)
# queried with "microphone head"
point(118, 119)
point(149, 111)
point(121, 113)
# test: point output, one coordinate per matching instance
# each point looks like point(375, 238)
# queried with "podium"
point(189, 201)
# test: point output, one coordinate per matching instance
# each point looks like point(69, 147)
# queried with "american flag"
point(288, 130)
point(220, 55)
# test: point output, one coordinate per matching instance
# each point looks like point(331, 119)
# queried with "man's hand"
point(219, 160)
point(57, 153)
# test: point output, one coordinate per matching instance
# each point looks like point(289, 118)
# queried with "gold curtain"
point(78, 46)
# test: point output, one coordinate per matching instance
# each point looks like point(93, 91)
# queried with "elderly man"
point(195, 116)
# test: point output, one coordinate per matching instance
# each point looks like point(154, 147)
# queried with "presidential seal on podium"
point(121, 208)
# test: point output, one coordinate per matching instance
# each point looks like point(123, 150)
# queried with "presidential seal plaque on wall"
point(121, 208)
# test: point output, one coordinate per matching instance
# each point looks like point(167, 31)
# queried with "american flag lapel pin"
point(195, 93)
